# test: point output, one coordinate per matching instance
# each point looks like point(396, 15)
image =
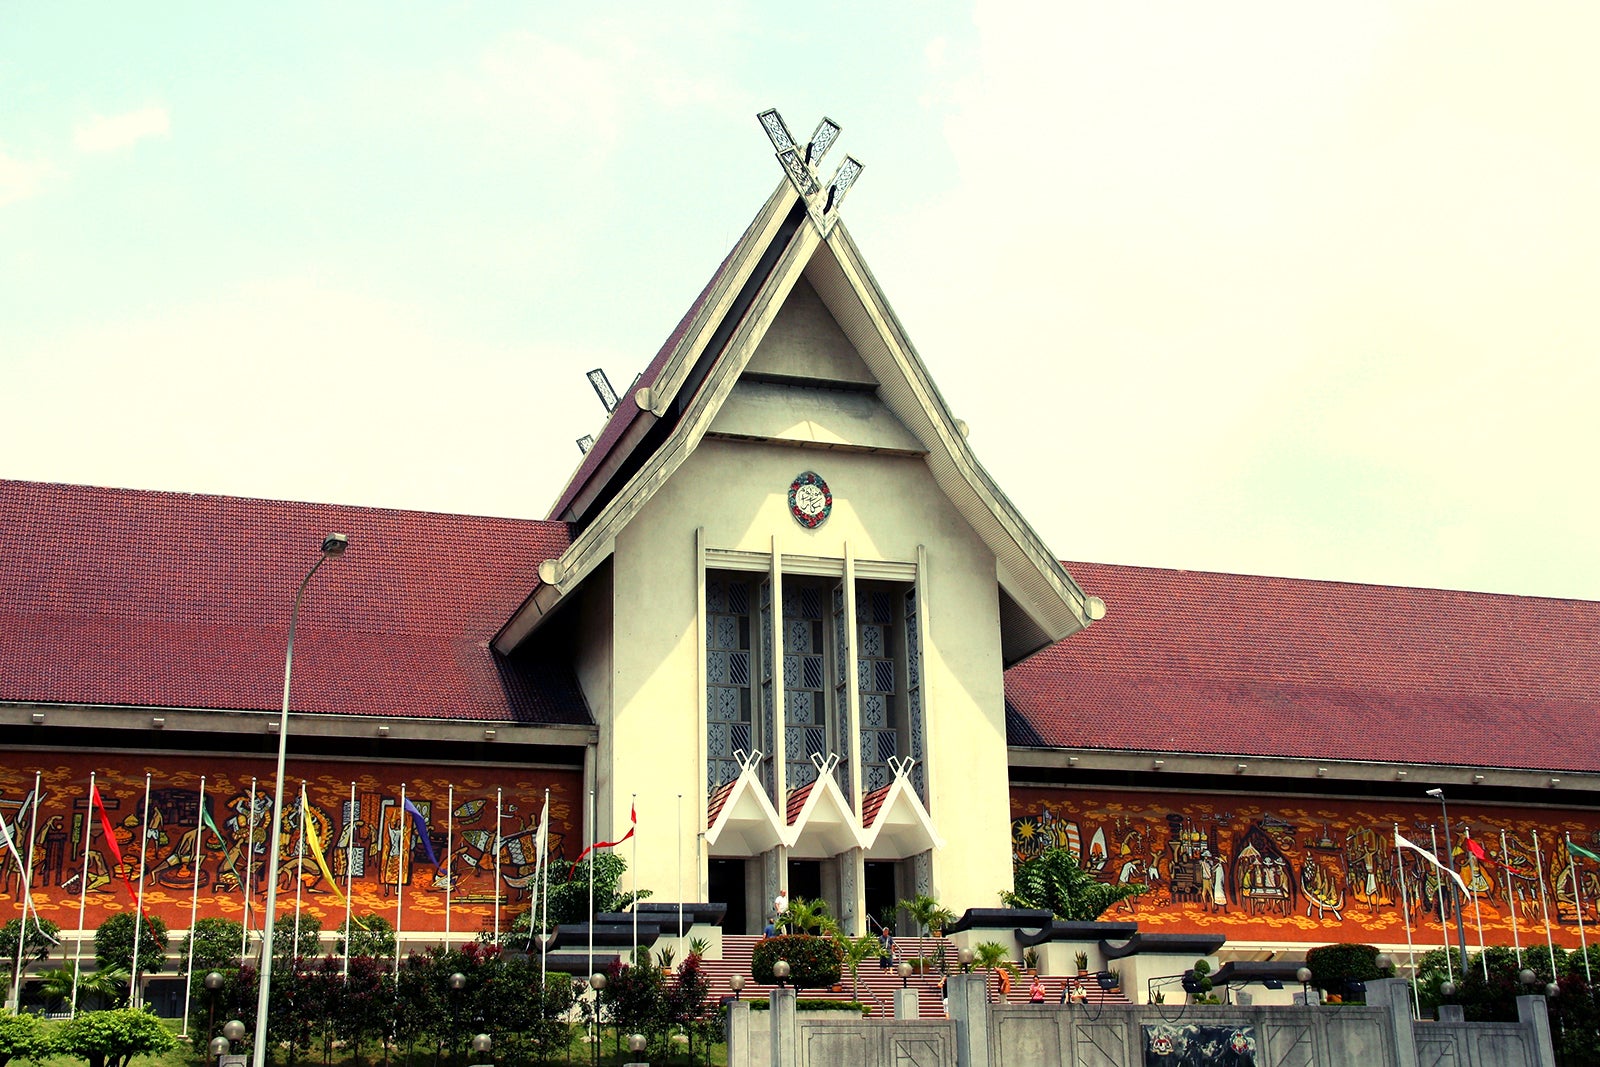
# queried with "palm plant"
point(110, 983)
point(929, 915)
point(993, 956)
point(55, 984)
point(856, 951)
point(810, 916)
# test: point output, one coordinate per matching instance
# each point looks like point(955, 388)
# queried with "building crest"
point(800, 166)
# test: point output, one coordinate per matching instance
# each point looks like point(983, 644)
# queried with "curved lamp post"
point(332, 545)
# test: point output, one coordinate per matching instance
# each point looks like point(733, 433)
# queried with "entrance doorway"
point(725, 884)
point(880, 893)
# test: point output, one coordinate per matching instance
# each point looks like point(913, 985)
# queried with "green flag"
point(1580, 850)
point(206, 821)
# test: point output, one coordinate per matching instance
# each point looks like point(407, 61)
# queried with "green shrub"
point(113, 1038)
point(814, 962)
point(1333, 967)
point(22, 1037)
point(763, 1004)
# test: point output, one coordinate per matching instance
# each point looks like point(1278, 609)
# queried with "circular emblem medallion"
point(1241, 1043)
point(810, 500)
point(1161, 1045)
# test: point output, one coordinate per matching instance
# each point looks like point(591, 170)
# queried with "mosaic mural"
point(373, 843)
point(1318, 870)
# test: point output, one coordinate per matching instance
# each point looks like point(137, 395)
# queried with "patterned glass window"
point(841, 679)
point(805, 687)
point(728, 694)
point(876, 679)
point(769, 725)
point(914, 695)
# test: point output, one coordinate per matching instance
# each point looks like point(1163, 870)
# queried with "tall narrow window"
point(919, 747)
point(875, 678)
point(839, 731)
point(728, 703)
point(769, 714)
point(804, 681)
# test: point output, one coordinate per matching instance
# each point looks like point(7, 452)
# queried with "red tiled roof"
point(124, 597)
point(719, 797)
point(797, 801)
point(1188, 661)
point(872, 804)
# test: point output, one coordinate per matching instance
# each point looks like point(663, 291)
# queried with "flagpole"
point(1444, 926)
point(249, 869)
point(591, 890)
point(27, 893)
point(499, 813)
point(544, 894)
point(1577, 895)
point(299, 873)
point(1511, 898)
point(634, 905)
point(400, 876)
point(1538, 862)
point(83, 895)
point(349, 873)
point(1472, 862)
point(1405, 910)
point(449, 854)
point(680, 866)
point(134, 998)
point(194, 901)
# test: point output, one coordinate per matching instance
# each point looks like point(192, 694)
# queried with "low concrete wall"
point(980, 1034)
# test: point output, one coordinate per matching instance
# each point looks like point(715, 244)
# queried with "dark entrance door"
point(805, 879)
point(725, 883)
point(880, 894)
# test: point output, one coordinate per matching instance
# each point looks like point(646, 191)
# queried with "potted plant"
point(1082, 960)
point(1030, 960)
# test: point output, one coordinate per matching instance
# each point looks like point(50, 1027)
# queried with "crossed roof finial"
point(800, 166)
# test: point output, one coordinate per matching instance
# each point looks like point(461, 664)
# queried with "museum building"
point(783, 627)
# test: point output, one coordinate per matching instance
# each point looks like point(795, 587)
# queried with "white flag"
point(1401, 842)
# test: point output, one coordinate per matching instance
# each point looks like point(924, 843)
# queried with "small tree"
point(216, 944)
point(370, 935)
point(22, 1037)
point(569, 898)
point(285, 948)
point(113, 1038)
point(808, 917)
point(113, 942)
point(42, 935)
point(1054, 882)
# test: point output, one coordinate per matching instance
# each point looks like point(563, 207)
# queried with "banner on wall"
point(232, 837)
point(1312, 869)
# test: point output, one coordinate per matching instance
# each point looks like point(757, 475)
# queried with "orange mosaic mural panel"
point(369, 843)
point(1322, 870)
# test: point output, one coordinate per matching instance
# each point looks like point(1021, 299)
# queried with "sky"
point(1292, 289)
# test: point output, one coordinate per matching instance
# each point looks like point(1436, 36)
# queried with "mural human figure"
point(1219, 883)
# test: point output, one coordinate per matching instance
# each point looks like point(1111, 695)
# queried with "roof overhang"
point(826, 825)
point(902, 828)
point(747, 825)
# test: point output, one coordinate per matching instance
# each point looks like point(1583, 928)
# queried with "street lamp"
point(736, 983)
point(233, 1030)
point(780, 971)
point(332, 545)
point(213, 982)
point(636, 1043)
point(219, 1047)
point(905, 973)
point(1303, 975)
point(1455, 890)
point(482, 1044)
point(965, 956)
point(597, 982)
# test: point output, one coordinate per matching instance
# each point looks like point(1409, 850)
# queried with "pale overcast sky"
point(1269, 288)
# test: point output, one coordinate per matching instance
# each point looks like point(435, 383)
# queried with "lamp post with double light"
point(332, 545)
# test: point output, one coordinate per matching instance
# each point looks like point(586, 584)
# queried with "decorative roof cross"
point(800, 166)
